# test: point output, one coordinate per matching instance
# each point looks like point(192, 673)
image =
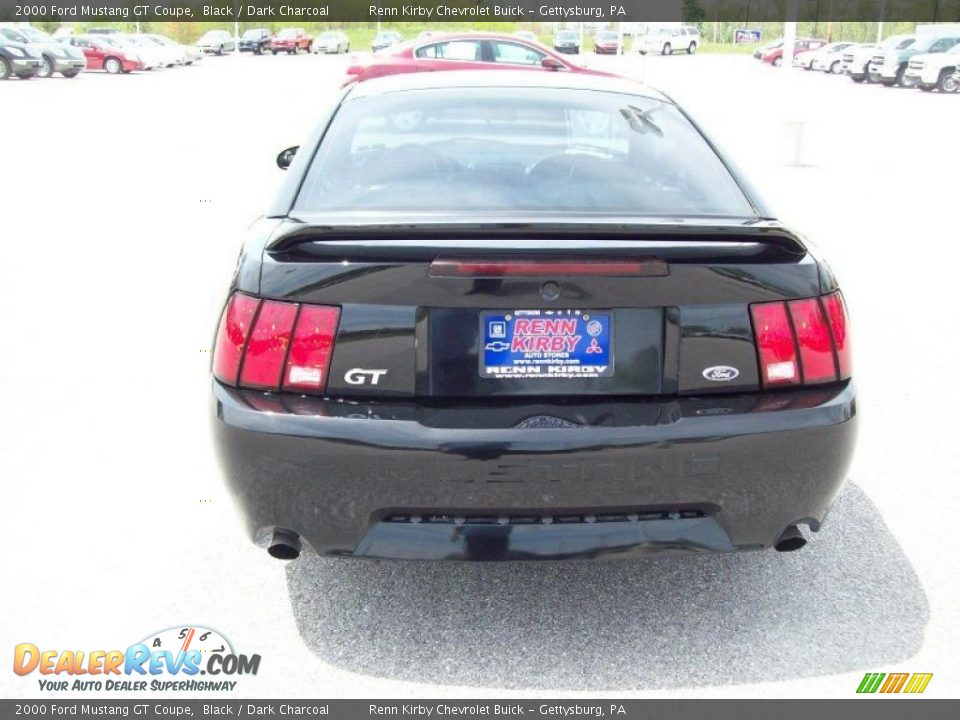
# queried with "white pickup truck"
point(856, 59)
point(934, 71)
point(890, 67)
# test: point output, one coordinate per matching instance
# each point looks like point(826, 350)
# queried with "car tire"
point(274, 52)
point(836, 67)
point(5, 69)
point(947, 83)
point(46, 67)
point(220, 50)
point(692, 48)
point(70, 73)
point(667, 49)
point(778, 62)
point(902, 80)
point(113, 66)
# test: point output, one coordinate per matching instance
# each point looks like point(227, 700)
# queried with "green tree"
point(693, 12)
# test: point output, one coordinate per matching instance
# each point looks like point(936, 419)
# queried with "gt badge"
point(360, 376)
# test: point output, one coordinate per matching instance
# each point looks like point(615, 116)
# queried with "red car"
point(463, 51)
point(774, 55)
point(606, 42)
point(101, 54)
point(291, 40)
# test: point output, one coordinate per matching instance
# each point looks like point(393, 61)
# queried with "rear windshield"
point(517, 149)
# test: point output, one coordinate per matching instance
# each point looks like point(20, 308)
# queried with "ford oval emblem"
point(721, 373)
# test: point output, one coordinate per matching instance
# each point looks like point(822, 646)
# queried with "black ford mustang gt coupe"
point(515, 315)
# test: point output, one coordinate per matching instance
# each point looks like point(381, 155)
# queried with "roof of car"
point(403, 82)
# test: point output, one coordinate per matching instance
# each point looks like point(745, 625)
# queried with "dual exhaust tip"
point(284, 545)
point(790, 541)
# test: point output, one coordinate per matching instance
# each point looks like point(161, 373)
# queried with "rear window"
point(514, 150)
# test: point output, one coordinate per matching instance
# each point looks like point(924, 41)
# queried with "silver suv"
point(665, 40)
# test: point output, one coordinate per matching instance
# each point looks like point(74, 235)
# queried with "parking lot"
point(125, 201)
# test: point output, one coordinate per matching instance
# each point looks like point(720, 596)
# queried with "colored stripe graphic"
point(895, 682)
point(870, 682)
point(918, 682)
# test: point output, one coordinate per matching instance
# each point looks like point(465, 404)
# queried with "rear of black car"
point(462, 338)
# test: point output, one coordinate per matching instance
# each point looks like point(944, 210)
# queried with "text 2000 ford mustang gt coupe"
point(516, 315)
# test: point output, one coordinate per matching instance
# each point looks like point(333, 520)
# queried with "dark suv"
point(256, 41)
point(574, 332)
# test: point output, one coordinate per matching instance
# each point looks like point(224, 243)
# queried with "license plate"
point(549, 344)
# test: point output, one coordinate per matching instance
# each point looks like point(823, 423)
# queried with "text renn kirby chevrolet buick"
point(519, 315)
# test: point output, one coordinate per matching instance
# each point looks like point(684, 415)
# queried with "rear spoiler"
point(766, 242)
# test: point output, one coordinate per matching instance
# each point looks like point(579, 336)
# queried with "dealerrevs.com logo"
point(187, 658)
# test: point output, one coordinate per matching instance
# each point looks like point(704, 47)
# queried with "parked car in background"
point(194, 54)
point(527, 35)
point(607, 42)
point(255, 41)
point(185, 54)
point(291, 41)
point(169, 55)
point(217, 42)
point(828, 59)
point(764, 49)
point(667, 40)
point(385, 39)
point(331, 42)
point(934, 71)
point(103, 31)
point(463, 51)
point(889, 66)
point(101, 54)
point(800, 46)
point(855, 60)
point(566, 41)
point(17, 60)
point(55, 57)
point(150, 55)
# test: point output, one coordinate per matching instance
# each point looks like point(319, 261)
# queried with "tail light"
point(802, 341)
point(775, 344)
point(271, 345)
point(837, 316)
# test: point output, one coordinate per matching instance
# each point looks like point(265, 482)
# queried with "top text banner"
point(440, 11)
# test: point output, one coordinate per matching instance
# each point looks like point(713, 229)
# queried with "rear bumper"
point(534, 480)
